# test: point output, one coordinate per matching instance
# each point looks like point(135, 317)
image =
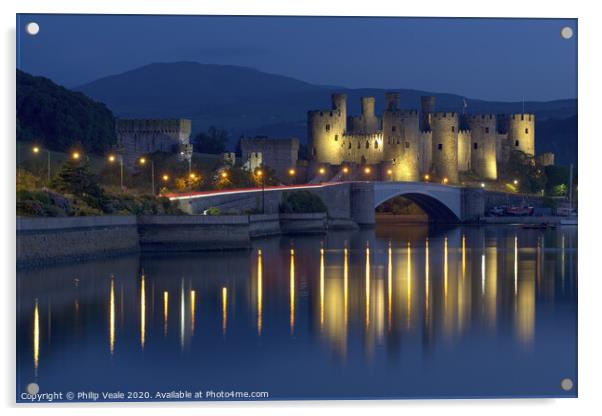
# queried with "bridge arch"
point(441, 203)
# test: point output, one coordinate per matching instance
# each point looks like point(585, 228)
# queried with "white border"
point(589, 35)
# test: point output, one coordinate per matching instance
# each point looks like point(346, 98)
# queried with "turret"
point(521, 132)
point(427, 106)
point(483, 145)
point(445, 145)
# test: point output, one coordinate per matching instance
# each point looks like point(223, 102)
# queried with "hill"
point(250, 102)
point(60, 119)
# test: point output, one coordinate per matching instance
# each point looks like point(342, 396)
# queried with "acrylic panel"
point(293, 208)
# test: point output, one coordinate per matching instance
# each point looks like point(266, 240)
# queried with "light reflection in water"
point(165, 311)
point(112, 316)
point(224, 310)
point(259, 292)
point(142, 312)
point(36, 336)
point(361, 292)
point(292, 291)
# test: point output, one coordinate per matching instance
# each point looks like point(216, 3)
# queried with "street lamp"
point(112, 159)
point(322, 171)
point(143, 162)
point(259, 173)
point(482, 184)
point(445, 180)
point(515, 182)
point(389, 172)
point(36, 150)
point(292, 173)
point(367, 170)
point(165, 178)
point(224, 174)
point(75, 155)
point(427, 177)
point(192, 175)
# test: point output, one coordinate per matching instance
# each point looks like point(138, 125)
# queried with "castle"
point(405, 145)
point(136, 138)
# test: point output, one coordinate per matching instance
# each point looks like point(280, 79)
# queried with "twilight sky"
point(493, 59)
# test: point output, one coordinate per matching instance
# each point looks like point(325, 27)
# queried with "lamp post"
point(260, 174)
point(36, 150)
point(143, 162)
point(292, 173)
point(119, 158)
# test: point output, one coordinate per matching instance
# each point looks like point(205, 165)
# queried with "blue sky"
point(493, 59)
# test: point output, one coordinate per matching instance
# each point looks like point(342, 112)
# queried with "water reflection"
point(409, 300)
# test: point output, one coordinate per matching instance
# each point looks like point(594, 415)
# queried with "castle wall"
point(326, 129)
point(402, 146)
point(483, 146)
point(521, 132)
point(445, 145)
point(426, 152)
point(363, 148)
point(136, 138)
point(464, 143)
point(427, 107)
point(278, 154)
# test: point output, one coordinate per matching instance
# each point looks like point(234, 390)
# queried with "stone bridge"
point(356, 201)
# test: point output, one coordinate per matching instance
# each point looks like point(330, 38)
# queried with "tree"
point(213, 141)
point(76, 179)
point(524, 168)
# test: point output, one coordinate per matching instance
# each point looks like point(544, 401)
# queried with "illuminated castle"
point(405, 145)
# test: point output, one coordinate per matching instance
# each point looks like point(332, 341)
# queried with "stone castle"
point(136, 138)
point(406, 145)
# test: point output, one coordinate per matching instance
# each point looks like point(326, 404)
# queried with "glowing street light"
point(345, 169)
point(427, 177)
point(389, 172)
point(515, 182)
point(259, 173)
point(112, 159)
point(36, 150)
point(142, 161)
point(322, 171)
point(445, 180)
point(75, 155)
point(224, 174)
point(165, 178)
point(482, 184)
point(192, 175)
point(291, 172)
point(367, 170)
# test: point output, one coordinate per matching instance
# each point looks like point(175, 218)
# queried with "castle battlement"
point(418, 142)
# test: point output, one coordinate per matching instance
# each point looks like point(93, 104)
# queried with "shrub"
point(301, 202)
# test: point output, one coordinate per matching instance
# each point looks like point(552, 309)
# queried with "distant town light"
point(35, 149)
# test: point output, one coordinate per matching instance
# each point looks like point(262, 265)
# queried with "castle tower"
point(391, 101)
point(483, 147)
point(326, 129)
point(445, 145)
point(400, 137)
point(427, 106)
point(367, 122)
point(521, 132)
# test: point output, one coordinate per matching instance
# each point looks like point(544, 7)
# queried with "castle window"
point(453, 128)
point(393, 128)
point(486, 129)
point(440, 146)
point(367, 145)
point(398, 142)
point(376, 144)
point(349, 145)
point(407, 145)
point(327, 127)
point(475, 146)
point(359, 146)
point(527, 130)
point(516, 143)
point(336, 137)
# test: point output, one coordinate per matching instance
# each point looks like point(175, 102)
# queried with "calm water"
point(386, 313)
